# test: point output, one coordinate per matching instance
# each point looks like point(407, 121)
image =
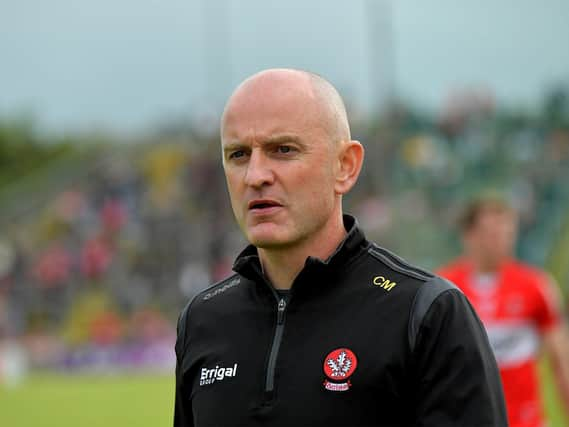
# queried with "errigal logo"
point(209, 376)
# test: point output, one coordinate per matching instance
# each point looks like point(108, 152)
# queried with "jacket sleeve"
point(182, 406)
point(457, 382)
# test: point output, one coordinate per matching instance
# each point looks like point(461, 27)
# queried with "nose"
point(259, 172)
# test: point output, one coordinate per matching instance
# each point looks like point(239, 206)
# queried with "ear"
point(350, 160)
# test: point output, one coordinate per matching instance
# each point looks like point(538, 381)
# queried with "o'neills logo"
point(209, 376)
point(339, 366)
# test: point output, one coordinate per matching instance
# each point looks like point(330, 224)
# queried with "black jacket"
point(363, 339)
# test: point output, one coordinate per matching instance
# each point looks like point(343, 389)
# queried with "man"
point(517, 304)
point(318, 326)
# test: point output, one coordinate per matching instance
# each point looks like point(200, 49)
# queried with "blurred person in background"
point(319, 326)
point(518, 304)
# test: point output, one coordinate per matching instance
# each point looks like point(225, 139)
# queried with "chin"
point(269, 240)
point(266, 235)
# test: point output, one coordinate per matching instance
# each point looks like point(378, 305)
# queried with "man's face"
point(279, 163)
point(493, 235)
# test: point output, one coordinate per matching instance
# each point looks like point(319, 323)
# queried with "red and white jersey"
point(517, 305)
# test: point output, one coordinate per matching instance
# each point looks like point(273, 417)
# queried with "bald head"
point(311, 91)
point(288, 160)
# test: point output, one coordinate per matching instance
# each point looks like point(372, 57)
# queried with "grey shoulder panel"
point(424, 298)
point(398, 264)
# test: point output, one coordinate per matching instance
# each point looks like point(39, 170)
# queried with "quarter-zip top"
point(355, 352)
point(277, 338)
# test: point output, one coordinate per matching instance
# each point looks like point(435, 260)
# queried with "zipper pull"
point(281, 311)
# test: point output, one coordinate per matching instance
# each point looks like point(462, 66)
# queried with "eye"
point(284, 149)
point(237, 154)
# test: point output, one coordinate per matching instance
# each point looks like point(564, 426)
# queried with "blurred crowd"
point(99, 255)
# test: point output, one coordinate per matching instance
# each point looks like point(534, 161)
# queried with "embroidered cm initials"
point(384, 283)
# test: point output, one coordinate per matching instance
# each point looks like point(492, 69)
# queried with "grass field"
point(89, 401)
point(557, 417)
point(119, 401)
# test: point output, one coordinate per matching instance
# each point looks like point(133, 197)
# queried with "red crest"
point(339, 366)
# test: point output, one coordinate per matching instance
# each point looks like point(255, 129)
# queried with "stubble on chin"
point(270, 240)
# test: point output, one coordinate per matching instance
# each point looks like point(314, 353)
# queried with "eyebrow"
point(233, 146)
point(280, 139)
point(273, 140)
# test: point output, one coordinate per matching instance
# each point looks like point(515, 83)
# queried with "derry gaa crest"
point(339, 366)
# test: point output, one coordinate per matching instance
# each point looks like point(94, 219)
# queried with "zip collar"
point(248, 264)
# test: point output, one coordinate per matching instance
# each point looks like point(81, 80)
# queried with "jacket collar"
point(248, 264)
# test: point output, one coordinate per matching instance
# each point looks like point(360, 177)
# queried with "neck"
point(282, 265)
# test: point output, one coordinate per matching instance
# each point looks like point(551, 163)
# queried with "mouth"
point(263, 204)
